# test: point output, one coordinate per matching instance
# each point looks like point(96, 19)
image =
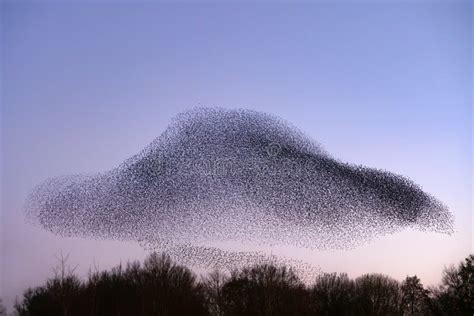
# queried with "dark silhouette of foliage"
point(332, 294)
point(377, 294)
point(414, 297)
point(59, 296)
point(264, 290)
point(455, 296)
point(213, 286)
point(162, 287)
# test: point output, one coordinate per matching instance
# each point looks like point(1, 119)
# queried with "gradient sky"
point(87, 85)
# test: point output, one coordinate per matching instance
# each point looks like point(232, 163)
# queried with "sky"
point(85, 85)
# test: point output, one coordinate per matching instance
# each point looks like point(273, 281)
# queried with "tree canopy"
point(160, 286)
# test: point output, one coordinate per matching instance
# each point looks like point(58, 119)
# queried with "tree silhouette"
point(264, 290)
point(377, 294)
point(456, 293)
point(172, 289)
point(414, 296)
point(57, 297)
point(162, 287)
point(213, 285)
point(332, 294)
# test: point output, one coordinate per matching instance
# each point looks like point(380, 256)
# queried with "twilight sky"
point(87, 85)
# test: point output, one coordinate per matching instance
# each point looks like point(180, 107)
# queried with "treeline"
point(161, 287)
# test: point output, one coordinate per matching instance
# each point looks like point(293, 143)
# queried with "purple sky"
point(87, 85)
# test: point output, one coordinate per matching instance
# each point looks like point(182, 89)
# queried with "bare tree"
point(414, 296)
point(377, 294)
point(332, 294)
point(213, 285)
point(64, 285)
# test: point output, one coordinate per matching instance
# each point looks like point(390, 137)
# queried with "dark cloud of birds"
point(240, 177)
